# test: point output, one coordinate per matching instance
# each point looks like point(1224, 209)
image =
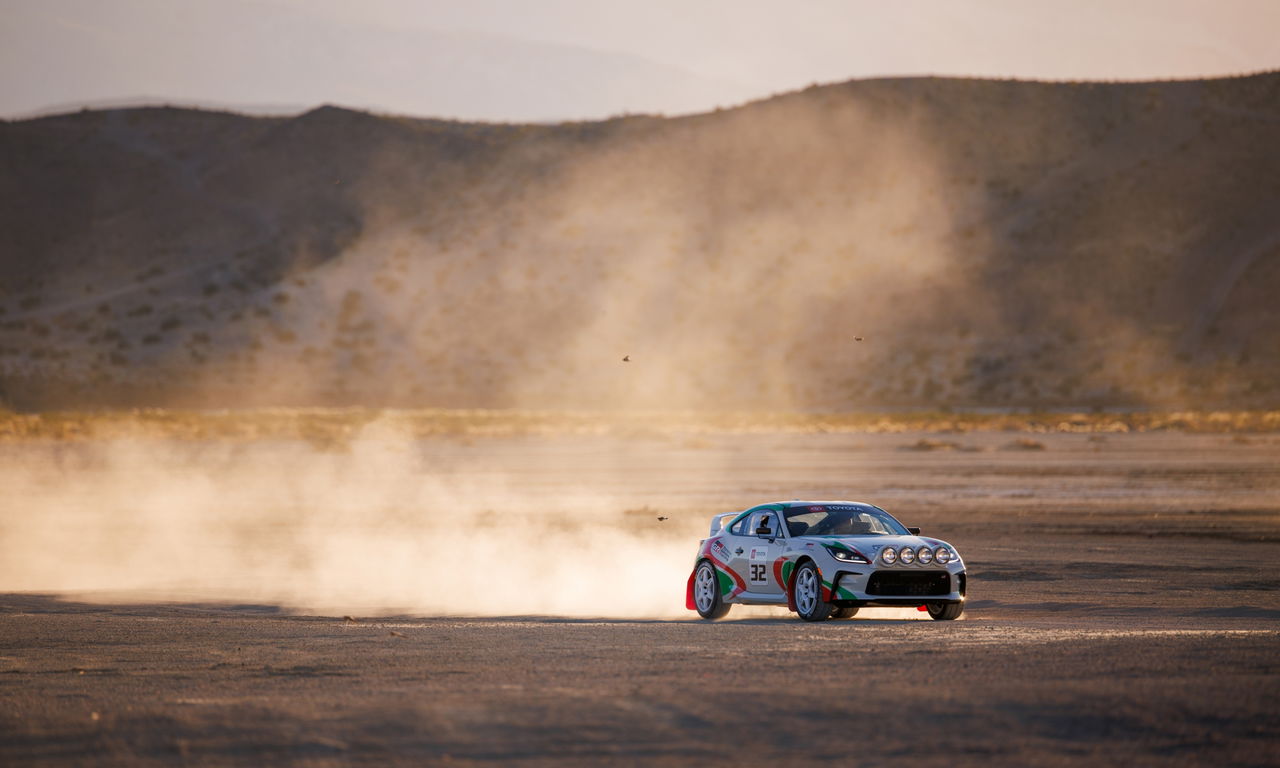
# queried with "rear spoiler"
point(720, 521)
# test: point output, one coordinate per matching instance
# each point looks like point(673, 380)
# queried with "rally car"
point(823, 559)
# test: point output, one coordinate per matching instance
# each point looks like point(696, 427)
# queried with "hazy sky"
point(562, 59)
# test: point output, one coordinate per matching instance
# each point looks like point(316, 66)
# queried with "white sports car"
point(823, 559)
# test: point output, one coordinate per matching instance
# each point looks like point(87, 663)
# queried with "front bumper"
point(908, 587)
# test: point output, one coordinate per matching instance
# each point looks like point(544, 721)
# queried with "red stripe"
point(741, 585)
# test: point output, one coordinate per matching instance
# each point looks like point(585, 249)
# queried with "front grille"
point(909, 583)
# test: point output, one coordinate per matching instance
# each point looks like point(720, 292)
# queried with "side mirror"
point(914, 531)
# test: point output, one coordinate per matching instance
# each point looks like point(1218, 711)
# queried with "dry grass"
point(334, 428)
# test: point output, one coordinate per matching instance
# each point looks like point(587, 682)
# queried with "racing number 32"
point(758, 573)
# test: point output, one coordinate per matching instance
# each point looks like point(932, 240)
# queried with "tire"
point(706, 592)
point(845, 612)
point(807, 594)
point(945, 611)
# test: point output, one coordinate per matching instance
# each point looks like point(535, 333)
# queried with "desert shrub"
point(210, 289)
point(140, 311)
point(151, 338)
point(30, 302)
point(170, 324)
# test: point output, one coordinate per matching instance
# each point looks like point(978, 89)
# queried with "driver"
point(765, 526)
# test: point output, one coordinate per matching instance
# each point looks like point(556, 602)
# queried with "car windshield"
point(842, 520)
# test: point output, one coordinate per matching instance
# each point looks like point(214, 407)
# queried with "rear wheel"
point(945, 611)
point(807, 593)
point(706, 592)
point(844, 612)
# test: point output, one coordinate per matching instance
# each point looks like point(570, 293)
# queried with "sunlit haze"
point(572, 59)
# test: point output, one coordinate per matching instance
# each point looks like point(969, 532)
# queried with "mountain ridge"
point(1004, 243)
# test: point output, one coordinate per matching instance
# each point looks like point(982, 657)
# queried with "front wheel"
point(808, 594)
point(706, 592)
point(945, 611)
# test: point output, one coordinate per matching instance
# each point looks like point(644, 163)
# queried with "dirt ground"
point(1124, 610)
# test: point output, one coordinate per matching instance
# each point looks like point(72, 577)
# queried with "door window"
point(764, 524)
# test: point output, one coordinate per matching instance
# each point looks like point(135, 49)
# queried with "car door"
point(759, 543)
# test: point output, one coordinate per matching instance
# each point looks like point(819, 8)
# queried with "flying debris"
point(351, 619)
point(660, 519)
point(626, 358)
point(857, 338)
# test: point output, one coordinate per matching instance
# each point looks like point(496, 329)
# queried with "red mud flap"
point(922, 607)
point(688, 592)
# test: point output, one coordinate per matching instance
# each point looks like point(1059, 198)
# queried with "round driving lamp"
point(889, 556)
point(907, 556)
point(943, 555)
point(924, 556)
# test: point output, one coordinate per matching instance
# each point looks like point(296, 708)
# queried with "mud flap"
point(688, 592)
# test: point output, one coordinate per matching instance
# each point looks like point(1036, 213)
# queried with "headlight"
point(907, 556)
point(924, 555)
point(846, 555)
point(942, 555)
point(889, 555)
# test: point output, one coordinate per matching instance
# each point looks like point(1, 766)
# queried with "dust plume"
point(387, 526)
point(993, 244)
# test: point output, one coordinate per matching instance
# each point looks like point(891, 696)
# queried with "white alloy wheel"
point(808, 595)
point(706, 592)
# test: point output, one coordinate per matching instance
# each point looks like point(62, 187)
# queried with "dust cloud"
point(383, 527)
point(735, 256)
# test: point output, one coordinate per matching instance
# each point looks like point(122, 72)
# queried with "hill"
point(992, 243)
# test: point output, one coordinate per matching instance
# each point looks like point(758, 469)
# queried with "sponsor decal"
point(730, 582)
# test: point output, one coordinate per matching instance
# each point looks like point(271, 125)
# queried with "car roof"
point(793, 504)
point(799, 503)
